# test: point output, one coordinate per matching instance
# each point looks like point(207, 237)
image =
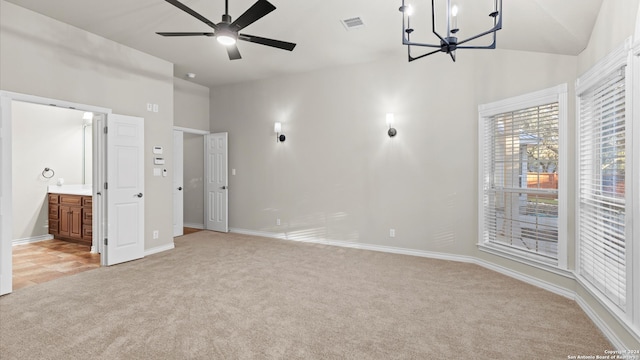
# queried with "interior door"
point(5, 197)
point(216, 182)
point(178, 179)
point(125, 189)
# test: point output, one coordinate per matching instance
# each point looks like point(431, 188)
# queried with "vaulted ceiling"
point(551, 26)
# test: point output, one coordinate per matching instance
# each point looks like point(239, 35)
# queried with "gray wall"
point(338, 176)
point(44, 57)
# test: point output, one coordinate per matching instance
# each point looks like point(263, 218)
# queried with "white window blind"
point(520, 199)
point(601, 177)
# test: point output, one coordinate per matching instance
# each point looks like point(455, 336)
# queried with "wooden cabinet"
point(70, 217)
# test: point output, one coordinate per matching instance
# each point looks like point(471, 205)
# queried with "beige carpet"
point(229, 296)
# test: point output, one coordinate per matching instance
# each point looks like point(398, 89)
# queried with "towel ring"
point(46, 171)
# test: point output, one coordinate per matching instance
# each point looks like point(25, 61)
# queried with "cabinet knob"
point(180, 188)
point(139, 195)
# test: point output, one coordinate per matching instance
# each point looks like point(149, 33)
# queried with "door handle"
point(180, 188)
point(138, 195)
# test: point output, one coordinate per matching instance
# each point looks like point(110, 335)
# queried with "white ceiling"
point(551, 26)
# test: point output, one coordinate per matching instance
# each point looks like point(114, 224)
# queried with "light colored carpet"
point(230, 296)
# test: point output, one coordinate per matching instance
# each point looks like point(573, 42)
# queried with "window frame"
point(485, 111)
point(628, 57)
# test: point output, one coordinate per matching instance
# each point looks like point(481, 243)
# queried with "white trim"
point(53, 102)
point(629, 317)
point(6, 227)
point(191, 131)
point(420, 253)
point(557, 94)
point(611, 308)
point(33, 239)
point(159, 249)
point(194, 226)
point(600, 324)
point(558, 290)
point(634, 96)
point(536, 98)
point(524, 257)
point(610, 63)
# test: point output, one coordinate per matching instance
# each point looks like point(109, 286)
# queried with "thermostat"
point(158, 161)
point(157, 150)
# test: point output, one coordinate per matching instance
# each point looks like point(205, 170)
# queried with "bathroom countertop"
point(85, 190)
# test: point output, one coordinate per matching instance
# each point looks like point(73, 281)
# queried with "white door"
point(5, 197)
point(178, 180)
point(125, 189)
point(216, 185)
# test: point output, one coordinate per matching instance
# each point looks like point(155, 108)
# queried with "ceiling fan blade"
point(269, 42)
point(189, 11)
point(185, 33)
point(255, 12)
point(234, 53)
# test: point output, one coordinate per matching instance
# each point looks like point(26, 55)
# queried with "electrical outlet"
point(278, 222)
point(156, 234)
point(392, 232)
point(149, 107)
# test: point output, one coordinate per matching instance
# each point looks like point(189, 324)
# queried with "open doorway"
point(52, 181)
point(117, 210)
point(189, 182)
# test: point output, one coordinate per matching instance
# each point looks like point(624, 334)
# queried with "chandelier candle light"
point(449, 43)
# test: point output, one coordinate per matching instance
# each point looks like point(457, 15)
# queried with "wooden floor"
point(187, 231)
point(44, 261)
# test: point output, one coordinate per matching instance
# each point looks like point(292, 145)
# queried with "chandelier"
point(448, 43)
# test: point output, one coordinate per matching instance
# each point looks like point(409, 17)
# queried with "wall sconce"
point(392, 131)
point(277, 128)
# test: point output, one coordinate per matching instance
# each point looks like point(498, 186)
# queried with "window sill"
point(525, 258)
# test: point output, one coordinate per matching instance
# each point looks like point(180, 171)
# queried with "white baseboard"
point(33, 239)
point(159, 249)
point(195, 226)
point(559, 290)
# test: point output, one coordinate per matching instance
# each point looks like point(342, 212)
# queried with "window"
point(604, 208)
point(521, 201)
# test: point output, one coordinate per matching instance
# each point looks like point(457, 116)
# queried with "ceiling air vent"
point(352, 23)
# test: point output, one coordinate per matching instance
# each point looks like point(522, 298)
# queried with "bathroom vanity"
point(70, 215)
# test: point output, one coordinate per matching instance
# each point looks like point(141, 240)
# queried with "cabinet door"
point(64, 225)
point(75, 222)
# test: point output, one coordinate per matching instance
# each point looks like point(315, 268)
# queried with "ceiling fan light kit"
point(448, 43)
point(227, 32)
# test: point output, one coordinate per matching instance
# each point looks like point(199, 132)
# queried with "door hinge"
point(106, 241)
point(106, 186)
point(105, 130)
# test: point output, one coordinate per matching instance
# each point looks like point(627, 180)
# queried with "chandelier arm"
point(421, 44)
point(411, 58)
point(493, 30)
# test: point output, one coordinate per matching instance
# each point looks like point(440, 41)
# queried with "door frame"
point(6, 228)
point(179, 162)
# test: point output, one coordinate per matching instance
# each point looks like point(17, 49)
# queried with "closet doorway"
point(188, 183)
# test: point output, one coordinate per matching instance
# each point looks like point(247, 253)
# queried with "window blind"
point(601, 176)
point(521, 181)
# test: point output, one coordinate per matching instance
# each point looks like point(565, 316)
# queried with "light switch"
point(233, 172)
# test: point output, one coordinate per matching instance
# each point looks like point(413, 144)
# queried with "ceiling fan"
point(227, 32)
